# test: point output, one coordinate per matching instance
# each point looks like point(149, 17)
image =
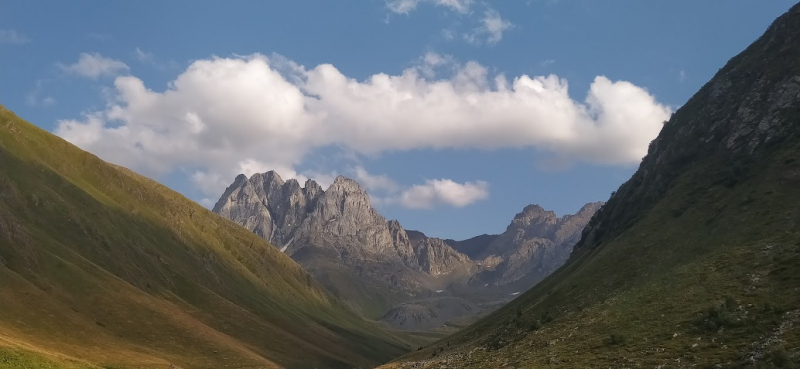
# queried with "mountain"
point(345, 243)
point(376, 265)
point(535, 244)
point(103, 267)
point(693, 262)
point(472, 247)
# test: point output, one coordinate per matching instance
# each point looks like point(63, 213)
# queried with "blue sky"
point(402, 95)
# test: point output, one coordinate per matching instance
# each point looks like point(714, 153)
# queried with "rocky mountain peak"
point(533, 219)
point(339, 224)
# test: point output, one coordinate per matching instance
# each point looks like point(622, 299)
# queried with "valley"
point(209, 209)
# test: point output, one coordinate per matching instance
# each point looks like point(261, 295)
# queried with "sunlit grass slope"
point(102, 267)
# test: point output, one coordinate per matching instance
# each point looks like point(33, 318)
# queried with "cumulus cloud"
point(224, 116)
point(407, 6)
point(442, 191)
point(10, 36)
point(491, 29)
point(94, 65)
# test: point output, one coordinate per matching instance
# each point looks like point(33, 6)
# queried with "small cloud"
point(681, 76)
point(144, 56)
point(150, 59)
point(431, 61)
point(95, 65)
point(36, 99)
point(548, 62)
point(492, 28)
point(407, 6)
point(448, 34)
point(375, 183)
point(442, 192)
point(429, 195)
point(10, 36)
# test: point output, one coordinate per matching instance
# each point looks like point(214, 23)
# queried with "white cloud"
point(548, 62)
point(442, 191)
point(10, 36)
point(94, 65)
point(386, 191)
point(225, 116)
point(491, 28)
point(373, 182)
point(407, 6)
point(681, 76)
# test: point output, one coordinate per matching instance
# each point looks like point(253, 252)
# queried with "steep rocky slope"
point(693, 262)
point(102, 267)
point(375, 264)
point(337, 235)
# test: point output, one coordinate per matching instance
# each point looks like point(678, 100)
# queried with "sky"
point(453, 114)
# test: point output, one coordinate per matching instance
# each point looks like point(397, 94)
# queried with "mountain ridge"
point(337, 235)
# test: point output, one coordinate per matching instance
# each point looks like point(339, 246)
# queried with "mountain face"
point(472, 247)
point(376, 264)
point(101, 267)
point(535, 244)
point(693, 261)
point(340, 238)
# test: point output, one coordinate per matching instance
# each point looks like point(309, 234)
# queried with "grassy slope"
point(103, 266)
point(703, 274)
point(659, 279)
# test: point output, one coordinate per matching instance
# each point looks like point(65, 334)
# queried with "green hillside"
point(101, 267)
point(695, 261)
